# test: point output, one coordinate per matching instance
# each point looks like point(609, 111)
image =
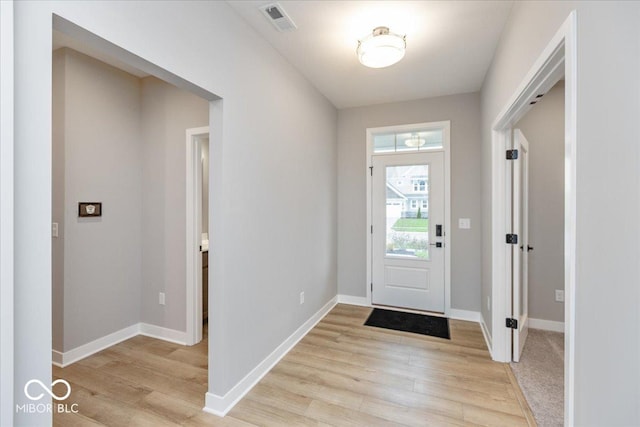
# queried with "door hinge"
point(371, 170)
point(371, 287)
point(372, 229)
point(512, 154)
point(512, 239)
point(511, 323)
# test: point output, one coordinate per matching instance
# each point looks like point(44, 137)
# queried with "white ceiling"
point(450, 45)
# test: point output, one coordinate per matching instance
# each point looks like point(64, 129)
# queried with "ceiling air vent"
point(278, 17)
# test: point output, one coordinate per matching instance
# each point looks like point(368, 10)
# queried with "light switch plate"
point(464, 223)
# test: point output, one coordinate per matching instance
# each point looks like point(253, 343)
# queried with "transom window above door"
point(418, 140)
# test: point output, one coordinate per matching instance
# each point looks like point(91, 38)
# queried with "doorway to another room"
point(508, 300)
point(197, 227)
point(538, 257)
point(118, 268)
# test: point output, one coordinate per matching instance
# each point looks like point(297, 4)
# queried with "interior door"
point(520, 251)
point(408, 231)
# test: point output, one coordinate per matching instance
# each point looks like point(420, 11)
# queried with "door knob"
point(529, 248)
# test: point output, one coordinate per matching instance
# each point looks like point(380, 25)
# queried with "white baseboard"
point(220, 405)
point(351, 300)
point(165, 334)
point(546, 325)
point(487, 335)
point(64, 359)
point(57, 358)
point(468, 315)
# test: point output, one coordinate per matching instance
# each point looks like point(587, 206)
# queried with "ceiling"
point(450, 45)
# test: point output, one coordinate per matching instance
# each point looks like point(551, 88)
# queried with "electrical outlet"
point(161, 298)
point(488, 303)
point(464, 223)
point(559, 295)
point(54, 229)
point(301, 298)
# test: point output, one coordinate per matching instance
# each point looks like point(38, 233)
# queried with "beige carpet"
point(540, 374)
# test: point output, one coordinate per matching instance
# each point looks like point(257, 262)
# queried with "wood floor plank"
point(266, 415)
point(341, 373)
point(98, 381)
point(489, 400)
point(278, 397)
point(159, 381)
point(486, 417)
point(339, 416)
point(406, 415)
point(178, 369)
point(364, 388)
point(168, 407)
point(313, 390)
point(68, 419)
point(111, 411)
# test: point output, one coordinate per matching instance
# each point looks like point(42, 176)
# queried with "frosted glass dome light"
point(381, 48)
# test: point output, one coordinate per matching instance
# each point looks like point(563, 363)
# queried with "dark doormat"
point(409, 322)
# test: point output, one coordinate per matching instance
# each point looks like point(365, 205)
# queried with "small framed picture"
point(89, 209)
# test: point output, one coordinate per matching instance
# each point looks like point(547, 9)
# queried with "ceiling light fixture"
point(414, 142)
point(381, 48)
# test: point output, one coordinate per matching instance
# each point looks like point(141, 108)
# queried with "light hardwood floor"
point(342, 373)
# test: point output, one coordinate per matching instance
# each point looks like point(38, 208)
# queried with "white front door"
point(520, 251)
point(408, 231)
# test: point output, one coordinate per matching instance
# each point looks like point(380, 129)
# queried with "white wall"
point(543, 126)
point(6, 212)
point(607, 335)
point(102, 157)
point(464, 113)
point(57, 193)
point(167, 112)
point(275, 133)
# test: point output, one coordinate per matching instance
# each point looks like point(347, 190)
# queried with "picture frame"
point(89, 209)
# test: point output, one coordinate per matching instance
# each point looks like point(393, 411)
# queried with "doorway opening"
point(557, 61)
point(131, 169)
point(197, 241)
point(538, 282)
point(408, 214)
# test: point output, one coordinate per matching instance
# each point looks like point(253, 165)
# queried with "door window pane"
point(407, 214)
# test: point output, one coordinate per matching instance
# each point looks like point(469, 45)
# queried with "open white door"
point(520, 251)
point(408, 254)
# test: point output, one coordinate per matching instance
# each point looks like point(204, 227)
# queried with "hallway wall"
point(274, 135)
point(97, 268)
